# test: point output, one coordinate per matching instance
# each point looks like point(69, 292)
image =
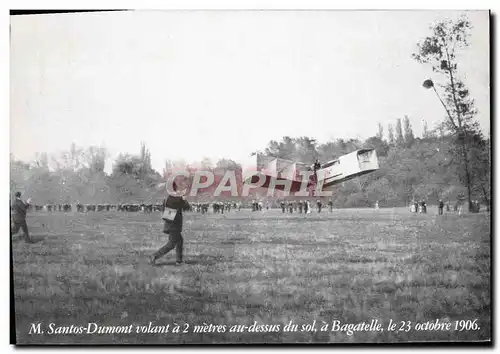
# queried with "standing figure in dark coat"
point(173, 228)
point(423, 207)
point(19, 209)
point(441, 207)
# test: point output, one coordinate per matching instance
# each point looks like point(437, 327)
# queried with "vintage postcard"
point(250, 177)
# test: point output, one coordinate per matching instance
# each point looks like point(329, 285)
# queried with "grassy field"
point(352, 265)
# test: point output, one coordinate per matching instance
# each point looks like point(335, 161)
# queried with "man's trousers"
point(176, 241)
point(16, 225)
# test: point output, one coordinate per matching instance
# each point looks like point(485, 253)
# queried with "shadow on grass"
point(204, 260)
point(33, 239)
point(234, 241)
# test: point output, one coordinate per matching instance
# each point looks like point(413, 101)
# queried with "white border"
point(188, 5)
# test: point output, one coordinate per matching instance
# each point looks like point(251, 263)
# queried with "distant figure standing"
point(440, 207)
point(173, 229)
point(475, 206)
point(330, 205)
point(423, 206)
point(306, 207)
point(376, 205)
point(460, 205)
point(415, 206)
point(282, 204)
point(19, 209)
point(319, 205)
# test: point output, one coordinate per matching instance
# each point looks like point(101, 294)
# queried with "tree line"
point(425, 168)
point(451, 161)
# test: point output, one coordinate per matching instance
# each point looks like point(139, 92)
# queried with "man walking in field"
point(173, 226)
point(441, 207)
point(19, 209)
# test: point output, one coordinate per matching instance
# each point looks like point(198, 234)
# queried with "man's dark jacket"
point(19, 209)
point(175, 226)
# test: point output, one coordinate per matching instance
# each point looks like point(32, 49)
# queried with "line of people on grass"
point(175, 204)
point(418, 206)
point(303, 206)
point(458, 207)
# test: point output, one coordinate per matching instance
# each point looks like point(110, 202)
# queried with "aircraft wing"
point(331, 173)
point(281, 168)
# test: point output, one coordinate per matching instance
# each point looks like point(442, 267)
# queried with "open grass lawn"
point(352, 265)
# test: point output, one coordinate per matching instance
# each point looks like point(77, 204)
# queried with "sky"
point(195, 84)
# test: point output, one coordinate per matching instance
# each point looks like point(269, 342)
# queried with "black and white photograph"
point(244, 176)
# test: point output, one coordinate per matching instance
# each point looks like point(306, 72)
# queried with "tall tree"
point(425, 130)
point(399, 133)
point(439, 50)
point(481, 168)
point(409, 137)
point(41, 160)
point(145, 157)
point(380, 132)
point(392, 140)
point(167, 168)
point(441, 130)
point(72, 159)
point(75, 156)
point(95, 158)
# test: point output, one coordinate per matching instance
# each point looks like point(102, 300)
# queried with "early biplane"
point(326, 175)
